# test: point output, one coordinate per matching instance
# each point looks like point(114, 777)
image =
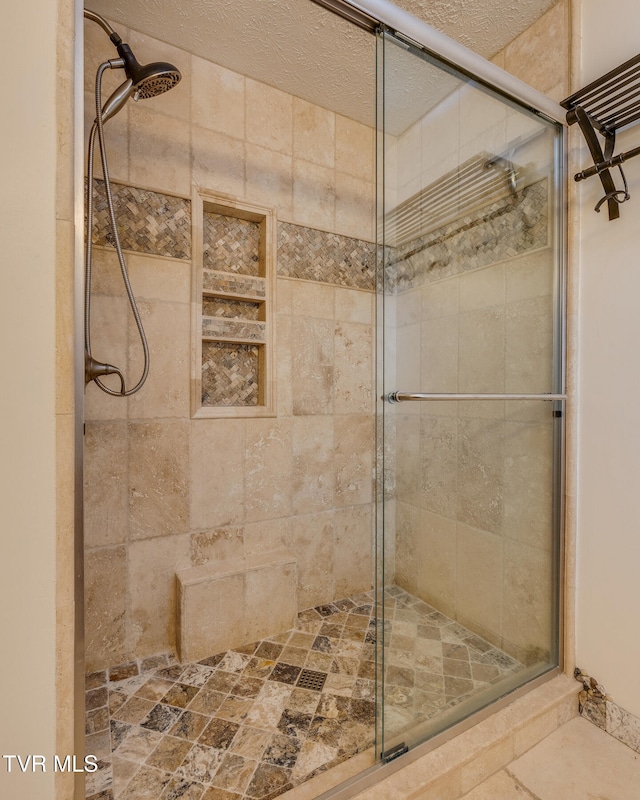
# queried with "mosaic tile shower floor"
point(253, 722)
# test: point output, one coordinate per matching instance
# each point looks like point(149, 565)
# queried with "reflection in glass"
point(468, 301)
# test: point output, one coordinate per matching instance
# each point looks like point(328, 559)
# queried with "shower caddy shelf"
point(606, 106)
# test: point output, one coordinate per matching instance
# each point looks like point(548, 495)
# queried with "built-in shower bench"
point(227, 603)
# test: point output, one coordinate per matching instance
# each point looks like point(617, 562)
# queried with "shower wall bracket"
point(604, 107)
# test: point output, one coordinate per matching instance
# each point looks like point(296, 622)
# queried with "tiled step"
point(451, 770)
point(575, 762)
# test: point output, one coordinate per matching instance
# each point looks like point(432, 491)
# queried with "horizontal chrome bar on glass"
point(403, 397)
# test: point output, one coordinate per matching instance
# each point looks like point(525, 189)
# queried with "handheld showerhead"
point(149, 80)
point(143, 80)
point(117, 100)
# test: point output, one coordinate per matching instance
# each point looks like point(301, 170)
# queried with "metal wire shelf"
point(604, 107)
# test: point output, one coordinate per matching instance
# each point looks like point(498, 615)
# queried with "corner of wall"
point(64, 396)
point(600, 709)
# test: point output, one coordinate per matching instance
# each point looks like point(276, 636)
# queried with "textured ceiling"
point(311, 53)
point(484, 26)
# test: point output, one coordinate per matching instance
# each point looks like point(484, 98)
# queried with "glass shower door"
point(470, 389)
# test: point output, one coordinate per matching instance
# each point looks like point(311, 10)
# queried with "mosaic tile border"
point(148, 222)
point(315, 255)
point(158, 224)
point(600, 709)
point(499, 231)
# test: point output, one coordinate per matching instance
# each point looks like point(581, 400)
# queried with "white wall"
point(27, 423)
point(608, 571)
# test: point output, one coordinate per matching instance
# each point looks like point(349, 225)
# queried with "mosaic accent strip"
point(598, 707)
point(494, 233)
point(230, 374)
point(238, 330)
point(225, 284)
point(253, 722)
point(325, 257)
point(231, 244)
point(159, 224)
point(148, 222)
point(231, 309)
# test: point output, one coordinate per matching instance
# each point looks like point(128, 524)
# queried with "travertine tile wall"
point(473, 481)
point(540, 56)
point(164, 492)
point(65, 404)
point(231, 134)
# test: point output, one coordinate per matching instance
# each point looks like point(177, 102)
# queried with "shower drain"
point(312, 680)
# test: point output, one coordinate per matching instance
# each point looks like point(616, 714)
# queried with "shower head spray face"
point(149, 80)
point(158, 77)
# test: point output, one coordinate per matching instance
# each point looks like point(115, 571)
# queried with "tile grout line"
point(341, 660)
point(519, 783)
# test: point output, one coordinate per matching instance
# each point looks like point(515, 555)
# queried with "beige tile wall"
point(473, 512)
point(164, 492)
point(540, 55)
point(231, 134)
point(474, 479)
point(472, 517)
point(65, 405)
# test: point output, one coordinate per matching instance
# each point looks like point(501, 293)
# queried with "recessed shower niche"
point(233, 323)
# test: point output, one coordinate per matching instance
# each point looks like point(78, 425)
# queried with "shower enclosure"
point(328, 528)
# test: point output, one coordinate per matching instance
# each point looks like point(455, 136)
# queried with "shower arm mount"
point(103, 24)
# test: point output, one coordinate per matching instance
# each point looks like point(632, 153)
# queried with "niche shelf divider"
point(233, 320)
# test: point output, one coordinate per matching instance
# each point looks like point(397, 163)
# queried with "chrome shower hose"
point(99, 368)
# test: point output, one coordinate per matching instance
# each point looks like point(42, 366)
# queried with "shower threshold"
point(253, 722)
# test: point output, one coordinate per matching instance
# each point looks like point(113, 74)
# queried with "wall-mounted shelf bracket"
point(602, 108)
